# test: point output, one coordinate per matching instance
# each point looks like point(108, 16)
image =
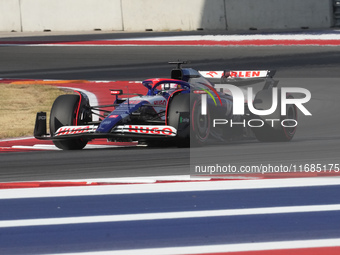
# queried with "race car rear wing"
point(249, 74)
point(241, 78)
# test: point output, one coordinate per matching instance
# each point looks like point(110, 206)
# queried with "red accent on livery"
point(70, 130)
point(75, 120)
point(132, 101)
point(212, 74)
point(245, 74)
point(116, 92)
point(149, 130)
point(160, 102)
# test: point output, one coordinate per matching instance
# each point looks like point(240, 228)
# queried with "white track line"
point(218, 38)
point(166, 187)
point(17, 139)
point(36, 147)
point(142, 179)
point(167, 215)
point(243, 247)
point(332, 36)
point(53, 147)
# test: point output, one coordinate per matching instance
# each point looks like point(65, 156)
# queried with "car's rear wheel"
point(65, 112)
point(284, 130)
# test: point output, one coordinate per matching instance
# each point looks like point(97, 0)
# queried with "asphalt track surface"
point(315, 68)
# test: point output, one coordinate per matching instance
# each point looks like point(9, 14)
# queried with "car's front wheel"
point(184, 114)
point(65, 112)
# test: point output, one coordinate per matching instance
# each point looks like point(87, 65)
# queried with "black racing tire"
point(183, 113)
point(282, 133)
point(64, 113)
point(179, 106)
point(200, 125)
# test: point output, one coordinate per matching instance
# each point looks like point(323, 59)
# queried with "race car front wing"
point(89, 131)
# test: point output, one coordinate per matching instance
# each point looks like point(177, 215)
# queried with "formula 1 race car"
point(189, 108)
